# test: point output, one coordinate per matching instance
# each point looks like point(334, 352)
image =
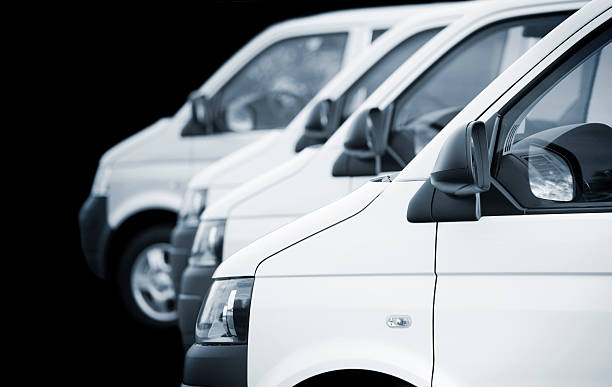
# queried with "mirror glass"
point(319, 117)
point(199, 109)
point(550, 177)
point(473, 162)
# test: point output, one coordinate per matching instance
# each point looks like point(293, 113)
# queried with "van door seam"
point(433, 308)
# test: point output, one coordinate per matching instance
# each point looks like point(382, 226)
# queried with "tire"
point(144, 279)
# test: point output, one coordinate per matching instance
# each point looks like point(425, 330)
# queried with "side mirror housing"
point(320, 125)
point(460, 174)
point(462, 167)
point(378, 125)
point(201, 122)
point(365, 145)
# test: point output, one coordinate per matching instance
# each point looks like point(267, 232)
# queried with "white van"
point(314, 125)
point(435, 84)
point(136, 195)
point(484, 262)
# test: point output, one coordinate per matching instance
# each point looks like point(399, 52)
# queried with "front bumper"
point(195, 283)
point(215, 366)
point(182, 240)
point(95, 233)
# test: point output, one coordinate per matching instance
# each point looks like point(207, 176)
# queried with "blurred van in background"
point(137, 191)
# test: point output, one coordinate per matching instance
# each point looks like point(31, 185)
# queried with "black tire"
point(142, 240)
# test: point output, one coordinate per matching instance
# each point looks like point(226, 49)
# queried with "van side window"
point(555, 144)
point(376, 33)
point(451, 83)
point(271, 89)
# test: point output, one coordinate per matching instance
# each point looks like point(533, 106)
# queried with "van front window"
point(450, 84)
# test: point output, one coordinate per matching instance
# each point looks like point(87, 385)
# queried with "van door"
point(268, 92)
point(524, 295)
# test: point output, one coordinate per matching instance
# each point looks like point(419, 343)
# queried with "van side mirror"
point(378, 125)
point(201, 122)
point(460, 174)
point(199, 109)
point(462, 167)
point(366, 143)
point(320, 125)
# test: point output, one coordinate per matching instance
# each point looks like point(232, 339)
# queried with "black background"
point(113, 73)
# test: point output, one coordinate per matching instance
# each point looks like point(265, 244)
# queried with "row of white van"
point(140, 184)
point(483, 262)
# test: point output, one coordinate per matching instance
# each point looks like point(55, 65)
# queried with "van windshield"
point(381, 70)
point(451, 83)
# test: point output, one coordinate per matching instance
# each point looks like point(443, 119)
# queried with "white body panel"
point(344, 292)
point(519, 300)
point(546, 306)
point(245, 261)
point(151, 169)
point(265, 207)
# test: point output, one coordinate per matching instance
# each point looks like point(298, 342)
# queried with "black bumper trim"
point(95, 233)
point(216, 366)
point(181, 240)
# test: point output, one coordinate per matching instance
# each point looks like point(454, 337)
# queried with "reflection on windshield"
point(455, 80)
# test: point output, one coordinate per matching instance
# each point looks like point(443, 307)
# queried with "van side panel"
point(318, 314)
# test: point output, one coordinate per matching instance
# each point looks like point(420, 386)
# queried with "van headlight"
point(207, 247)
point(224, 316)
point(193, 205)
point(101, 182)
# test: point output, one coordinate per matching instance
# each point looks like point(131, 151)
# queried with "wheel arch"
point(371, 368)
point(128, 228)
point(349, 375)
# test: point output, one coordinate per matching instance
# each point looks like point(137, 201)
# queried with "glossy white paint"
point(245, 261)
point(519, 300)
point(151, 169)
point(309, 340)
point(243, 231)
point(402, 253)
point(525, 300)
point(343, 283)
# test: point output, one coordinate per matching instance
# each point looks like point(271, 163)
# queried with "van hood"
point(234, 169)
point(244, 263)
point(137, 148)
point(254, 159)
point(222, 208)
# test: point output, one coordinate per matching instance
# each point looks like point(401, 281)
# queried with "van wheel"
point(145, 280)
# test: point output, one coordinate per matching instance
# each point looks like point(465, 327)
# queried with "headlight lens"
point(207, 247)
point(224, 317)
point(194, 203)
point(101, 181)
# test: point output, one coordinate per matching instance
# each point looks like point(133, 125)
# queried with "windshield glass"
point(450, 84)
point(381, 70)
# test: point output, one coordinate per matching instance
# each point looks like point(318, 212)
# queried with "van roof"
point(366, 16)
